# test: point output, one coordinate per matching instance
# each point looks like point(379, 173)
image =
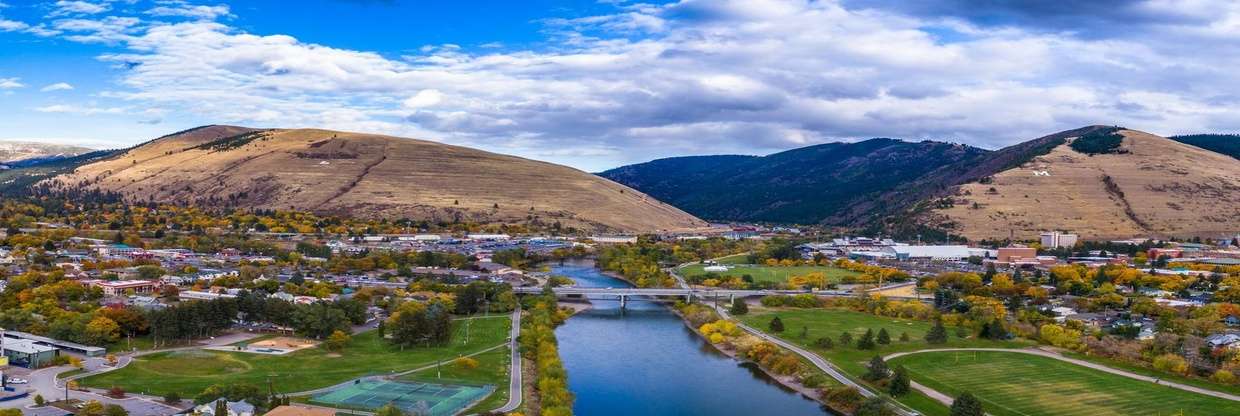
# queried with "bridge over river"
point(623, 293)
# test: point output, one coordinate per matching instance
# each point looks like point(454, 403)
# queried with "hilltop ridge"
point(372, 176)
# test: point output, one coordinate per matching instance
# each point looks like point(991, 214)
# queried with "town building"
point(1055, 239)
point(123, 287)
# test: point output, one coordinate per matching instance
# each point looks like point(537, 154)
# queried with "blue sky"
point(597, 84)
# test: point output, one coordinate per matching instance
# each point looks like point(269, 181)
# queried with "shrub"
point(846, 339)
point(876, 369)
point(1171, 363)
point(846, 397)
point(39, 400)
point(824, 343)
point(172, 398)
point(739, 307)
point(904, 337)
point(116, 392)
point(1223, 377)
point(465, 363)
point(814, 380)
point(776, 325)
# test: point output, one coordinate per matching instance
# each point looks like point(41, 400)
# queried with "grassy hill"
point(15, 151)
point(369, 176)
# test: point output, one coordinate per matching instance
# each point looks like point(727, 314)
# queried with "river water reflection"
point(644, 361)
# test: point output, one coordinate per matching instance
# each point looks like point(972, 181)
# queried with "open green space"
point(1026, 385)
point(1146, 371)
point(776, 274)
point(834, 322)
point(189, 374)
point(493, 368)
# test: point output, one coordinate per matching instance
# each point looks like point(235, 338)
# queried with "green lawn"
point(833, 322)
point(1020, 385)
point(493, 369)
point(1192, 381)
point(188, 373)
point(770, 274)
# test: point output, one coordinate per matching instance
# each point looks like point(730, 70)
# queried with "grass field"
point(770, 274)
point(833, 322)
point(1020, 385)
point(189, 374)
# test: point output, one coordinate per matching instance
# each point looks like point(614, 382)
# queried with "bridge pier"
point(689, 297)
point(624, 301)
point(731, 298)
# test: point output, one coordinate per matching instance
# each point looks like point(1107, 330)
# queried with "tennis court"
point(414, 398)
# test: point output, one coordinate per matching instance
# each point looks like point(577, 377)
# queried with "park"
point(189, 372)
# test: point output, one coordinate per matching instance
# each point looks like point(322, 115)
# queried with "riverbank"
point(790, 382)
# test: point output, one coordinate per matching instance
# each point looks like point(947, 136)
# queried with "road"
point(514, 380)
point(813, 358)
point(948, 400)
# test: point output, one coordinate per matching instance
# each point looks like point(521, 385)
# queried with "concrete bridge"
point(624, 293)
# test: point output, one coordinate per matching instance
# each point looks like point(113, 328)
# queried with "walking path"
point(948, 400)
point(514, 381)
point(813, 358)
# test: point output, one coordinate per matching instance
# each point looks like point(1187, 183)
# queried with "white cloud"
point(693, 77)
point(191, 11)
point(424, 98)
point(65, 8)
point(10, 83)
point(11, 25)
point(79, 110)
point(59, 86)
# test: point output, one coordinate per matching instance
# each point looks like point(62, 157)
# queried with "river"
point(644, 361)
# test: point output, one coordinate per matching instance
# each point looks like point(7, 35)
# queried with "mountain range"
point(1115, 183)
point(369, 176)
point(13, 153)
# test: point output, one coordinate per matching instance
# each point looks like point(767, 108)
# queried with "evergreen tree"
point(776, 325)
point(937, 333)
point(1017, 277)
point(876, 369)
point(845, 339)
point(866, 342)
point(804, 332)
point(899, 383)
point(990, 274)
point(997, 331)
point(739, 307)
point(883, 337)
point(967, 405)
point(904, 337)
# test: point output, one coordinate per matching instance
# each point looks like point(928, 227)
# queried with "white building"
point(942, 253)
point(1055, 239)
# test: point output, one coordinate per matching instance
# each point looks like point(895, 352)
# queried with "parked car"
point(18, 381)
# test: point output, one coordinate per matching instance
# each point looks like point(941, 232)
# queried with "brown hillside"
point(1153, 187)
point(368, 175)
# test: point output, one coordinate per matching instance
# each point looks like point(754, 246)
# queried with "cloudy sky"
point(597, 84)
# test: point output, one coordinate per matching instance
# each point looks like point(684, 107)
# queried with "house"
point(238, 408)
point(1224, 341)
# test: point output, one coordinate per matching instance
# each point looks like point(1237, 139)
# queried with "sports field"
point(189, 373)
point(428, 399)
point(831, 323)
point(770, 274)
point(493, 368)
point(1027, 385)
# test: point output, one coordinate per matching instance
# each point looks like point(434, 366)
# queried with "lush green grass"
point(307, 369)
point(734, 259)
point(1020, 384)
point(141, 343)
point(770, 274)
point(833, 322)
point(1196, 382)
point(493, 368)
